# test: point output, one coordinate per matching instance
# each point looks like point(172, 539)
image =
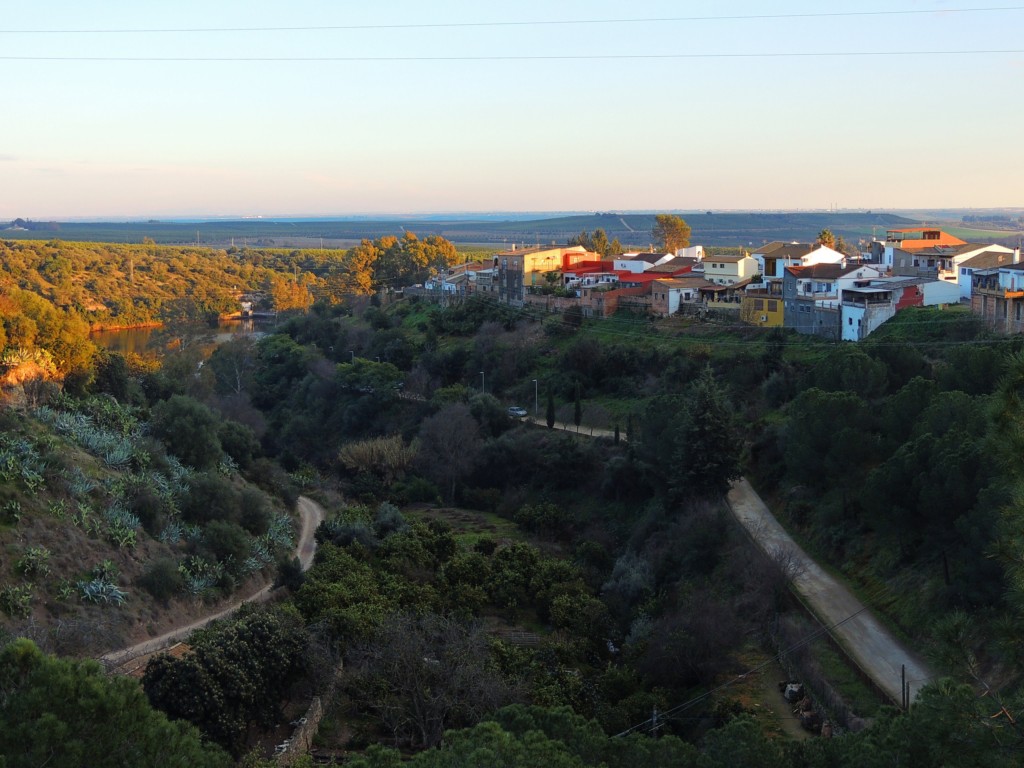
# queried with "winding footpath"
point(311, 515)
point(867, 641)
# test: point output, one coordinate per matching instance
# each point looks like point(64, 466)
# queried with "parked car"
point(516, 412)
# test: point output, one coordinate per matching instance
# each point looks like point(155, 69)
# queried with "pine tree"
point(707, 458)
point(551, 410)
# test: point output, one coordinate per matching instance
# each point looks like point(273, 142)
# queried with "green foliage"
point(423, 674)
point(827, 433)
point(16, 600)
point(708, 444)
point(69, 713)
point(101, 590)
point(162, 579)
point(236, 674)
point(670, 232)
point(189, 430)
point(35, 562)
point(545, 517)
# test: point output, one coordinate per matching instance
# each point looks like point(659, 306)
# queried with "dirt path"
point(311, 515)
point(872, 646)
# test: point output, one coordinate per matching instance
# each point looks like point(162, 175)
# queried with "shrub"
point(211, 498)
point(162, 579)
point(255, 512)
point(389, 520)
point(227, 543)
point(16, 600)
point(35, 562)
point(289, 574)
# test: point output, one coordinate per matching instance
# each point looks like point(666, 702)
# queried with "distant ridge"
point(714, 229)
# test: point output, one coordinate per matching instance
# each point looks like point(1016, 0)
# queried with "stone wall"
point(301, 740)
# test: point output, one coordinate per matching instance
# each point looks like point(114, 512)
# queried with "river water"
point(145, 341)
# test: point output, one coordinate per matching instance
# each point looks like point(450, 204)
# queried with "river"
point(140, 341)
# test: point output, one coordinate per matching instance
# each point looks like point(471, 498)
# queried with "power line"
point(528, 57)
point(498, 24)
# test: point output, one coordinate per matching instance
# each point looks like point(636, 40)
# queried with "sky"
point(480, 107)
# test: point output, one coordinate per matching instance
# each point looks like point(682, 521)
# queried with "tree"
point(449, 444)
point(425, 674)
point(550, 413)
point(68, 713)
point(577, 411)
point(233, 364)
point(827, 239)
point(235, 675)
point(189, 430)
point(670, 232)
point(709, 446)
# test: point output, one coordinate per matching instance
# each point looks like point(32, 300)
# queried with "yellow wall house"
point(537, 261)
point(729, 270)
point(764, 311)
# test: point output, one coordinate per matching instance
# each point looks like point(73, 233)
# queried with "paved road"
point(311, 515)
point(878, 653)
point(583, 429)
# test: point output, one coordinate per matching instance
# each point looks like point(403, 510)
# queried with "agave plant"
point(118, 455)
point(79, 484)
point(227, 466)
point(19, 460)
point(102, 592)
point(200, 575)
point(262, 552)
point(172, 532)
point(281, 532)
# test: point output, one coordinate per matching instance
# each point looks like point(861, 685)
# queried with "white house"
point(693, 252)
point(667, 295)
point(991, 257)
point(773, 259)
point(869, 304)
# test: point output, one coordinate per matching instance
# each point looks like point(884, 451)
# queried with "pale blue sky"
point(144, 138)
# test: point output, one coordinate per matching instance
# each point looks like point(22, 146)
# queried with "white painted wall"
point(940, 292)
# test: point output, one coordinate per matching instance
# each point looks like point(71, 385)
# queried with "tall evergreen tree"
point(577, 413)
point(550, 415)
point(707, 457)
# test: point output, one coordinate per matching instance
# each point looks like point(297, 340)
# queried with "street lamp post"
point(483, 389)
point(352, 356)
point(536, 401)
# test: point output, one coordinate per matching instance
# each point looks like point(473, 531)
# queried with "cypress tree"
point(577, 414)
point(551, 410)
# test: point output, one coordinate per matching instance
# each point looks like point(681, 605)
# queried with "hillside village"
point(811, 288)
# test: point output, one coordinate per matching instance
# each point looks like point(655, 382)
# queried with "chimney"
point(1016, 255)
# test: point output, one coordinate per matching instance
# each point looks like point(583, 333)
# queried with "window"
point(850, 320)
point(758, 304)
point(773, 306)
